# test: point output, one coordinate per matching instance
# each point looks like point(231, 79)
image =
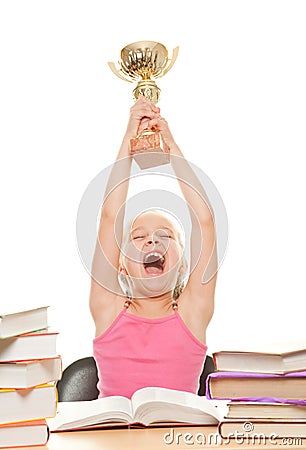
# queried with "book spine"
point(207, 387)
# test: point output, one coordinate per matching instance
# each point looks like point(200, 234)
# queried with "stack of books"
point(266, 392)
point(29, 368)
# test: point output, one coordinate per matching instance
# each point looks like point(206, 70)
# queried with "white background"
point(235, 101)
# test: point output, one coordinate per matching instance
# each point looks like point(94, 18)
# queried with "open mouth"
point(154, 263)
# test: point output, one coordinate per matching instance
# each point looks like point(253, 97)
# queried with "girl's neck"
point(152, 307)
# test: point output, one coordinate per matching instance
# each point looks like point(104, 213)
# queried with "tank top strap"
point(127, 303)
point(174, 305)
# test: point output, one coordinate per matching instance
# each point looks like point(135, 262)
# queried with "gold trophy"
point(143, 62)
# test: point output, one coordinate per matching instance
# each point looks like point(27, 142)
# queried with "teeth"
point(154, 255)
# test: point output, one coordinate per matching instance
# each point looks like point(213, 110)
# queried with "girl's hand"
point(160, 125)
point(142, 110)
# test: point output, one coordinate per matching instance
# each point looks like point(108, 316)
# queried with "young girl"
point(154, 333)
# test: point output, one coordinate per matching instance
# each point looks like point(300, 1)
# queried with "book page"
point(86, 413)
point(170, 397)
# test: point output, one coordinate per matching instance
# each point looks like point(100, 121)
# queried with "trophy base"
point(152, 158)
point(149, 150)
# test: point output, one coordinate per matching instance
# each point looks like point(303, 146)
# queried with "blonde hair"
point(180, 282)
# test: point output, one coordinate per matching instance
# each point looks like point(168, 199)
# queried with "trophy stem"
point(149, 89)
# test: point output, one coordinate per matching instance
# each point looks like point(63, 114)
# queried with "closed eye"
point(165, 235)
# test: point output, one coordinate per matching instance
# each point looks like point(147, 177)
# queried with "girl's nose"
point(152, 240)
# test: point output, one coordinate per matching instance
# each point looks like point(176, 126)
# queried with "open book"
point(148, 406)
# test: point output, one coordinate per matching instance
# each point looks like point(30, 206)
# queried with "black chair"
point(79, 380)
point(208, 368)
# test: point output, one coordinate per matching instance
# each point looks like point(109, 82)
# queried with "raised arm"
point(201, 284)
point(104, 271)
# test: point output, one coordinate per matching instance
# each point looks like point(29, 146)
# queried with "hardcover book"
point(240, 361)
point(266, 410)
point(37, 345)
point(24, 434)
point(13, 324)
point(260, 430)
point(287, 388)
point(27, 404)
point(26, 374)
point(148, 407)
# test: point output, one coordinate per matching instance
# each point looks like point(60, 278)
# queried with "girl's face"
point(152, 255)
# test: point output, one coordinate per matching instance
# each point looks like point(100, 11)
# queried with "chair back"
point(79, 380)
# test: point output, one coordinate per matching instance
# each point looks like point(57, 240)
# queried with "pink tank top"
point(136, 352)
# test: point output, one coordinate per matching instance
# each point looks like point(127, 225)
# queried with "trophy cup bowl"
point(143, 62)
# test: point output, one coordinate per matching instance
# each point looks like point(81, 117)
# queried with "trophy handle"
point(117, 72)
point(173, 59)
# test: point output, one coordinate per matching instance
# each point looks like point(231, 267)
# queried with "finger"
point(145, 105)
point(151, 123)
point(151, 110)
point(141, 112)
point(143, 126)
point(144, 100)
point(141, 99)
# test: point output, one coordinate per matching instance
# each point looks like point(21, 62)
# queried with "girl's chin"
point(154, 285)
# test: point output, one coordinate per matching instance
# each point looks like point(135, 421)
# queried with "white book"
point(148, 406)
point(24, 434)
point(265, 431)
point(266, 411)
point(15, 323)
point(26, 374)
point(27, 404)
point(37, 345)
point(261, 362)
